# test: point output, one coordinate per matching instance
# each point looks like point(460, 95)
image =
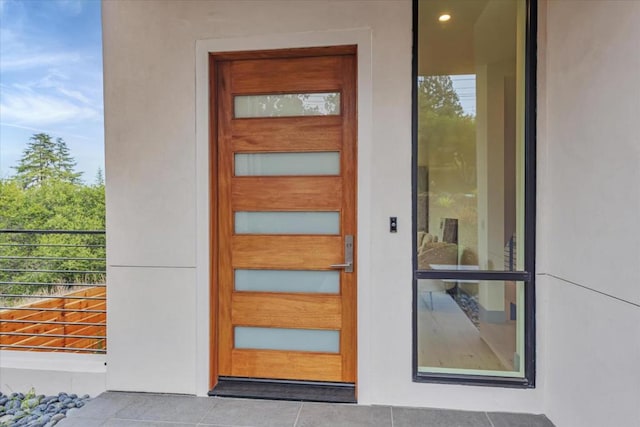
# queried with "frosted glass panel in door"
point(287, 339)
point(287, 281)
point(272, 164)
point(287, 105)
point(287, 222)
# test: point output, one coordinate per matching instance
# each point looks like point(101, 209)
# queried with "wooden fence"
point(62, 324)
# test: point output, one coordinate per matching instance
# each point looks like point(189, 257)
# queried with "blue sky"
point(51, 79)
point(465, 87)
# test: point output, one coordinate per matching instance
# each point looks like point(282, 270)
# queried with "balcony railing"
point(53, 291)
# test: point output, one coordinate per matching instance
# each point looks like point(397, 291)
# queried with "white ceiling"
point(480, 31)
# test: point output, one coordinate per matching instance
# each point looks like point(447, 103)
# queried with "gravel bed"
point(31, 410)
point(469, 304)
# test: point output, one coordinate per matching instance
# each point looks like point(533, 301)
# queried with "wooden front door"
point(284, 143)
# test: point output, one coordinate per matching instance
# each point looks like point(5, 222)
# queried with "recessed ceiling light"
point(444, 17)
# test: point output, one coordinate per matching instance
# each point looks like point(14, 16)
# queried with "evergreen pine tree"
point(99, 178)
point(65, 164)
point(45, 159)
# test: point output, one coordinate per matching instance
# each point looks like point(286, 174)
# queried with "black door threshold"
point(285, 390)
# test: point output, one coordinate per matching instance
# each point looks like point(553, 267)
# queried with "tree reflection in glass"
point(287, 105)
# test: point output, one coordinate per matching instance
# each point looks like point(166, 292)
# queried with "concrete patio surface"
point(143, 409)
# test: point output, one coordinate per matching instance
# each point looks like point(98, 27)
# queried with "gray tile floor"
point(142, 409)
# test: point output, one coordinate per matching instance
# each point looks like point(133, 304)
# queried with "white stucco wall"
point(51, 373)
point(589, 200)
point(155, 182)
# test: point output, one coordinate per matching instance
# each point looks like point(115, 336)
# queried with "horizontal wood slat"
point(86, 330)
point(26, 340)
point(286, 252)
point(34, 341)
point(88, 343)
point(288, 365)
point(32, 328)
point(86, 317)
point(84, 304)
point(28, 315)
point(274, 76)
point(287, 310)
point(287, 134)
point(286, 193)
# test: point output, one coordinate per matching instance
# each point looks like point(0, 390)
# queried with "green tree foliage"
point(446, 162)
point(45, 159)
point(47, 194)
point(305, 104)
point(438, 96)
point(446, 136)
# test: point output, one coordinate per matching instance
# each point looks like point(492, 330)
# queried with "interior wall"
point(589, 199)
point(155, 181)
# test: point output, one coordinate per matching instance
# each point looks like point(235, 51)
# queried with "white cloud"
point(20, 51)
point(29, 60)
point(21, 105)
point(43, 86)
point(75, 94)
point(58, 81)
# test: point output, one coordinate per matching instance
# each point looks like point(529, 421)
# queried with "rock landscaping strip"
point(31, 410)
point(469, 304)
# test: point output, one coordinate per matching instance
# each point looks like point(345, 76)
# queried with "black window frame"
point(528, 274)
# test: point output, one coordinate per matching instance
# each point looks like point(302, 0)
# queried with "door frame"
point(205, 375)
point(214, 59)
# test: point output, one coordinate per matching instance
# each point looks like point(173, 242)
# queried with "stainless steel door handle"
point(348, 255)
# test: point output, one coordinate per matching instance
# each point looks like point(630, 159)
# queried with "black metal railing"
point(510, 256)
point(53, 290)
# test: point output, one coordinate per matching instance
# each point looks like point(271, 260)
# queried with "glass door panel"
point(298, 281)
point(287, 105)
point(287, 222)
point(274, 164)
point(287, 339)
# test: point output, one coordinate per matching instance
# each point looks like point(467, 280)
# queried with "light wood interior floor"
point(448, 339)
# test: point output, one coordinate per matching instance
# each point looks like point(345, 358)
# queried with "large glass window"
point(473, 191)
